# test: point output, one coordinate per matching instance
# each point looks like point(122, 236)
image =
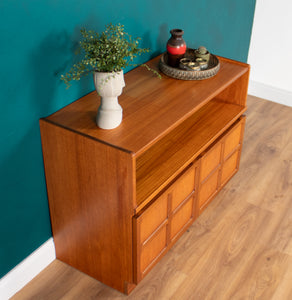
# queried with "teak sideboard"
point(119, 199)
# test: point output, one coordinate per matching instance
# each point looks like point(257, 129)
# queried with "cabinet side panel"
point(236, 93)
point(90, 191)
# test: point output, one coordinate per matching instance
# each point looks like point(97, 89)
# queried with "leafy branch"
point(110, 51)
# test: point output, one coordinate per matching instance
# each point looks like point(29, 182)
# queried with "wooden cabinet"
point(119, 199)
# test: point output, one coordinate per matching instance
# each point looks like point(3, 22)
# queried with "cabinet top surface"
point(151, 106)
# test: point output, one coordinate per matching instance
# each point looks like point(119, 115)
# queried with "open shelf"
point(161, 163)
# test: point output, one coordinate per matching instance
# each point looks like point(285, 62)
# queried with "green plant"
point(110, 51)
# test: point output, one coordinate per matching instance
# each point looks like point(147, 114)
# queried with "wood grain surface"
point(152, 107)
point(166, 159)
point(91, 220)
point(239, 248)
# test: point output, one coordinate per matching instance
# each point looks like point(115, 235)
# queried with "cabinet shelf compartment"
point(161, 163)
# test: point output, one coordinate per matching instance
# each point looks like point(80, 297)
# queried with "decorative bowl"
point(210, 71)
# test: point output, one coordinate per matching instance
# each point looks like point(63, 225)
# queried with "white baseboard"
point(24, 272)
point(271, 93)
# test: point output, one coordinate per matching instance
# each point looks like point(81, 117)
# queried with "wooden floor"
point(239, 248)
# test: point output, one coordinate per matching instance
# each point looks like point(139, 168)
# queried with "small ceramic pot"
point(203, 53)
point(202, 63)
point(194, 66)
point(183, 63)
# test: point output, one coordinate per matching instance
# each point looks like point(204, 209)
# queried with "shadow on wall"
point(161, 41)
point(53, 57)
point(162, 38)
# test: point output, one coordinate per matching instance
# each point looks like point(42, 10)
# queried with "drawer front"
point(208, 188)
point(233, 138)
point(153, 249)
point(181, 218)
point(156, 229)
point(220, 163)
point(182, 188)
point(210, 161)
point(230, 166)
point(153, 217)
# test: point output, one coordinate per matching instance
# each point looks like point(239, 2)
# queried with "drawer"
point(182, 188)
point(157, 227)
point(152, 250)
point(208, 188)
point(233, 138)
point(181, 218)
point(230, 166)
point(210, 161)
point(153, 217)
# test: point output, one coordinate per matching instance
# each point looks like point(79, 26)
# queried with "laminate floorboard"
point(239, 248)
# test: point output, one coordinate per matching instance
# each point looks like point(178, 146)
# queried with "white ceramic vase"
point(109, 86)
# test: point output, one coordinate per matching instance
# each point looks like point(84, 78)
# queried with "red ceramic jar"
point(176, 47)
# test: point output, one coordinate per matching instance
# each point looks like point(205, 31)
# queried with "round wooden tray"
point(212, 70)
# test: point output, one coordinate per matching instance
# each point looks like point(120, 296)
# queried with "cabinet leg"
point(129, 287)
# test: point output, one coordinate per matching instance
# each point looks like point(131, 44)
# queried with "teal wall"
point(38, 39)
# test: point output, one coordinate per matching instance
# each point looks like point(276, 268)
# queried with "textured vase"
point(176, 47)
point(109, 86)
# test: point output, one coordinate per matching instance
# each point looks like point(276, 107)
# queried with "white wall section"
point(270, 52)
